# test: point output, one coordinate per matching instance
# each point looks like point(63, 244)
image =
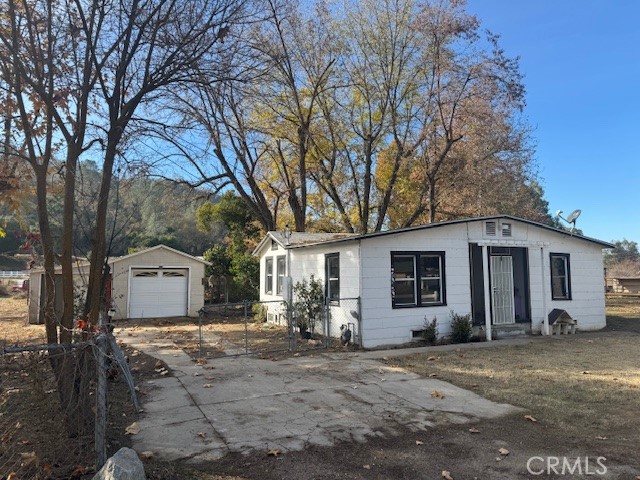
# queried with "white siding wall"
point(273, 301)
point(384, 325)
point(309, 261)
point(587, 304)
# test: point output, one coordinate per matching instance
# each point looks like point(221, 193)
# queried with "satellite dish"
point(573, 216)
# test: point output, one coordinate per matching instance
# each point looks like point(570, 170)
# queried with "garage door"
point(158, 292)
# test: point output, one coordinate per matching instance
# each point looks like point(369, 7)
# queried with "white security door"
point(502, 289)
point(158, 292)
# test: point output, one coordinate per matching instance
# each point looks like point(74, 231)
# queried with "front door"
point(502, 289)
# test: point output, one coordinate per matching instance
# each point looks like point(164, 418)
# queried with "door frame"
point(479, 284)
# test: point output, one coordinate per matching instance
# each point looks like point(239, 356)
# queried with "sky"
point(581, 61)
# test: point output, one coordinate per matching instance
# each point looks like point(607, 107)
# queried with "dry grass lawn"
point(14, 327)
point(587, 385)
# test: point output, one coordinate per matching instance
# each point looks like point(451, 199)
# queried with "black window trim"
point(327, 257)
point(567, 258)
point(268, 267)
point(416, 258)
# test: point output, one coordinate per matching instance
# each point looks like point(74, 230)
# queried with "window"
point(145, 274)
point(268, 279)
point(560, 276)
point(417, 279)
point(274, 245)
point(332, 276)
point(281, 263)
point(506, 229)
point(490, 228)
point(173, 273)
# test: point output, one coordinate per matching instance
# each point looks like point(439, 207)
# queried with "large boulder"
point(124, 465)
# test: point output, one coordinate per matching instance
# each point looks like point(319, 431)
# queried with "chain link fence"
point(262, 328)
point(54, 407)
point(47, 402)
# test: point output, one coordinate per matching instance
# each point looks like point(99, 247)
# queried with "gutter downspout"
point(360, 294)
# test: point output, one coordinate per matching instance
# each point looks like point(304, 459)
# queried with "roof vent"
point(490, 228)
point(506, 229)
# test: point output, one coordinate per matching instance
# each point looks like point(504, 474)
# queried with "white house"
point(508, 273)
point(156, 282)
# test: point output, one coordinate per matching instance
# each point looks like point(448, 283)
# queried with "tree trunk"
point(95, 288)
point(50, 320)
point(67, 246)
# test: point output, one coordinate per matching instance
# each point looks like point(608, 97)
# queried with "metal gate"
point(268, 328)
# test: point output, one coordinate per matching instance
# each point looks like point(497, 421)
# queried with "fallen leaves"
point(431, 359)
point(366, 467)
point(207, 385)
point(146, 455)
point(503, 451)
point(437, 394)
point(474, 430)
point(273, 452)
point(418, 442)
point(29, 458)
point(446, 475)
point(132, 429)
point(202, 434)
point(530, 418)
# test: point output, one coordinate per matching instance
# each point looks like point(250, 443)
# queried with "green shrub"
point(309, 304)
point(259, 312)
point(460, 328)
point(430, 331)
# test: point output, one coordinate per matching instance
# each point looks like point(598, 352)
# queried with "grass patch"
point(587, 386)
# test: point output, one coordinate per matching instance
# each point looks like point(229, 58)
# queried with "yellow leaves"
point(132, 429)
point(437, 394)
point(273, 452)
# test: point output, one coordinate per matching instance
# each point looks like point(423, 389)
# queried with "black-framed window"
point(417, 279)
point(560, 276)
point(281, 265)
point(332, 277)
point(268, 279)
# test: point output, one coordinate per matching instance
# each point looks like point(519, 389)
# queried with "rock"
point(124, 465)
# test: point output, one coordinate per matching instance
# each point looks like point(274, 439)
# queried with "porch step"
point(511, 330)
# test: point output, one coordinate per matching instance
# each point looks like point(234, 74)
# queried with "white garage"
point(152, 283)
point(159, 292)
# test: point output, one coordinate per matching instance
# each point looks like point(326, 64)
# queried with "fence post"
point(200, 315)
point(327, 324)
point(292, 330)
point(246, 326)
point(359, 322)
point(101, 401)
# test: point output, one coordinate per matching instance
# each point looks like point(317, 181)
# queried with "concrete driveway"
point(244, 404)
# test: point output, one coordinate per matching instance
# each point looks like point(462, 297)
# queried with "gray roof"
point(304, 238)
point(299, 239)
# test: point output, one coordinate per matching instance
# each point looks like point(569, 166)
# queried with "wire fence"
point(261, 328)
point(54, 407)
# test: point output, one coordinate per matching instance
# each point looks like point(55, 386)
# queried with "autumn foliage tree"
point(367, 115)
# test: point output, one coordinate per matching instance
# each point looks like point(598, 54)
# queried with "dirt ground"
point(465, 451)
